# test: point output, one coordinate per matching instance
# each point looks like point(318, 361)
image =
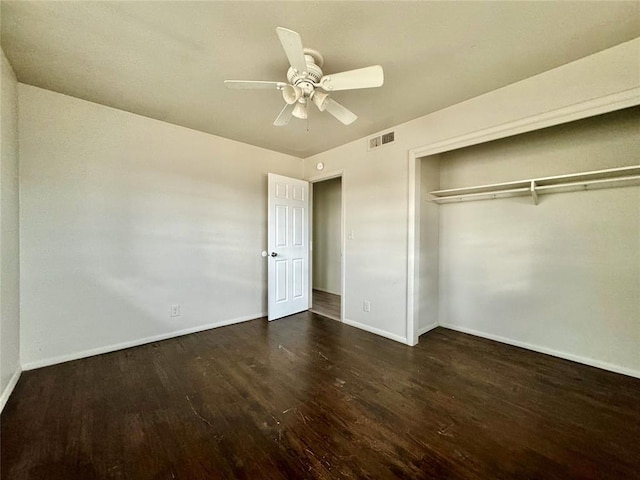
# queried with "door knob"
point(274, 254)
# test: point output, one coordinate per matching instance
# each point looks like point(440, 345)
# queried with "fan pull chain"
point(306, 106)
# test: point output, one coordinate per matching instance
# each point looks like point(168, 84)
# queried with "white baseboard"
point(377, 331)
point(134, 343)
point(325, 291)
point(9, 389)
point(423, 330)
point(548, 351)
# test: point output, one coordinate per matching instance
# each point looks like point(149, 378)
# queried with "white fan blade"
point(367, 77)
point(292, 45)
point(341, 113)
point(285, 115)
point(253, 85)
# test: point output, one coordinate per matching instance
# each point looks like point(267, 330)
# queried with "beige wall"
point(376, 183)
point(123, 216)
point(563, 276)
point(9, 233)
point(327, 235)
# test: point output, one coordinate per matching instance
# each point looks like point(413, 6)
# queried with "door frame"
point(343, 254)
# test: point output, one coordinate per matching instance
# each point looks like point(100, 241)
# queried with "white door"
point(288, 289)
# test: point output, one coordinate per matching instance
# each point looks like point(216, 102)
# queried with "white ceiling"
point(168, 60)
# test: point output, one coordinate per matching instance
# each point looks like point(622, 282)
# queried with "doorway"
point(327, 248)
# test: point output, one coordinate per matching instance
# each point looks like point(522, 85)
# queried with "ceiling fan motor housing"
point(302, 84)
point(307, 82)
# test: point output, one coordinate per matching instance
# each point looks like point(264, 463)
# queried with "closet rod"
point(581, 176)
point(627, 178)
point(534, 189)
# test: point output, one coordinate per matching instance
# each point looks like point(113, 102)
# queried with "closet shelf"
point(613, 177)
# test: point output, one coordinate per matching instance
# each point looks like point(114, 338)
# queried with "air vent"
point(380, 140)
point(387, 138)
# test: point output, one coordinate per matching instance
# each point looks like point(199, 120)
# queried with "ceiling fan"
point(305, 79)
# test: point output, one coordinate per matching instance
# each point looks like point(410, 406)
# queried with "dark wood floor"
point(327, 304)
point(306, 397)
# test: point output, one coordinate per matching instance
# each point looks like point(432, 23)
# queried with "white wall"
point(9, 233)
point(428, 268)
point(375, 184)
point(123, 216)
point(374, 197)
point(327, 235)
point(561, 277)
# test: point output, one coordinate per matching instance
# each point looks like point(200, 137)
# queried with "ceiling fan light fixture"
point(300, 110)
point(291, 94)
point(320, 100)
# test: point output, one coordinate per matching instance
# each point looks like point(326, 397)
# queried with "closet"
point(535, 240)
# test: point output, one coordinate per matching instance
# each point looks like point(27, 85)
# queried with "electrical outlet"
point(175, 310)
point(366, 306)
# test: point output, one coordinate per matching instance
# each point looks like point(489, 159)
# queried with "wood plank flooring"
point(305, 397)
point(327, 304)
